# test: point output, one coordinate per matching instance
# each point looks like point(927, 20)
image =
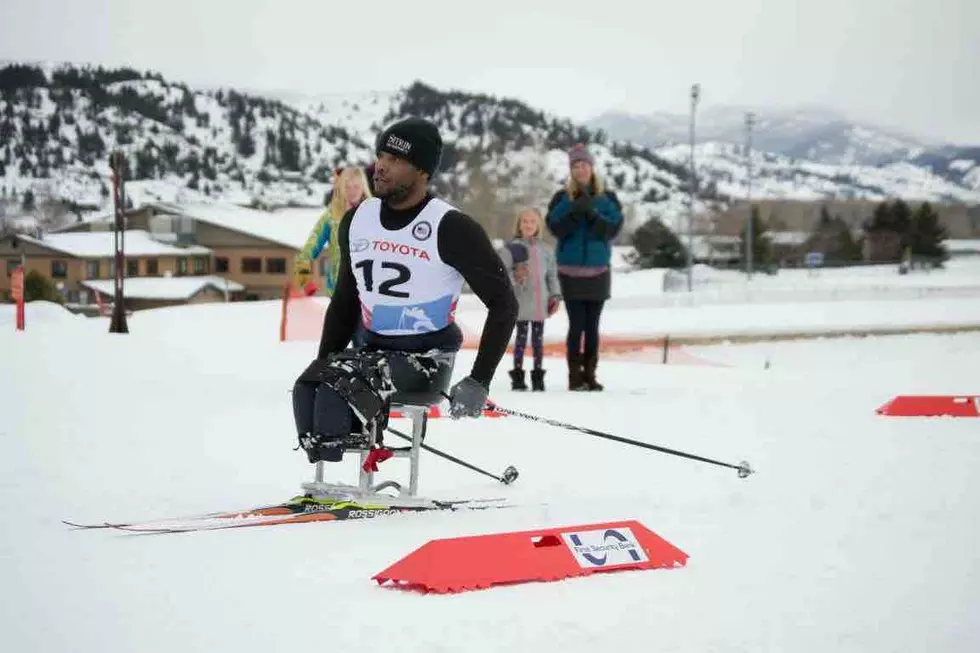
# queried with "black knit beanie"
point(414, 139)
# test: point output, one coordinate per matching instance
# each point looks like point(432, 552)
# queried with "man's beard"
point(396, 193)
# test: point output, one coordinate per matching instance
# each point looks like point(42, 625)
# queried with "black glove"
point(467, 398)
point(582, 203)
point(600, 229)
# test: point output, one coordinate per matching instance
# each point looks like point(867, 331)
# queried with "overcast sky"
point(911, 64)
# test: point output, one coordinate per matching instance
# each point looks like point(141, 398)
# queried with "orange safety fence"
point(302, 320)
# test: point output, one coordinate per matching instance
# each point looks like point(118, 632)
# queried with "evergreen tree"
point(891, 227)
point(928, 233)
point(27, 203)
point(17, 76)
point(246, 144)
point(168, 155)
point(902, 221)
point(146, 164)
point(208, 170)
point(7, 131)
point(848, 249)
point(288, 148)
point(39, 287)
point(124, 135)
point(881, 219)
point(127, 169)
point(657, 247)
point(90, 146)
point(54, 125)
point(761, 249)
point(825, 219)
point(832, 236)
point(191, 164)
point(187, 104)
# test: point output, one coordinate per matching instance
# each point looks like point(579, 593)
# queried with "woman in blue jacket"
point(585, 218)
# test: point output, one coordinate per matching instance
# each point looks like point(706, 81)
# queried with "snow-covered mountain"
point(806, 154)
point(776, 176)
point(815, 134)
point(960, 164)
point(59, 123)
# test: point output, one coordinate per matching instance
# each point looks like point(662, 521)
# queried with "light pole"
point(117, 324)
point(749, 241)
point(695, 96)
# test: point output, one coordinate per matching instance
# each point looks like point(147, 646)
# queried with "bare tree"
point(9, 210)
point(481, 198)
point(50, 212)
point(6, 228)
point(534, 186)
point(625, 236)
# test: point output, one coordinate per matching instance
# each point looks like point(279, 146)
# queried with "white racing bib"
point(404, 286)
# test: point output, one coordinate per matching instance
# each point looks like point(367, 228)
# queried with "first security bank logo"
point(606, 548)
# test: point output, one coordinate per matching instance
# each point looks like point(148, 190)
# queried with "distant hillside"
point(58, 125)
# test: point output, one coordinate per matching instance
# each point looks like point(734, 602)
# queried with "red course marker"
point(481, 561)
point(932, 406)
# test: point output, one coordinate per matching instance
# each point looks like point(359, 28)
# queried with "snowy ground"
point(725, 305)
point(855, 535)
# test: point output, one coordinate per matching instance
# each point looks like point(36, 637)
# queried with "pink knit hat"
point(579, 153)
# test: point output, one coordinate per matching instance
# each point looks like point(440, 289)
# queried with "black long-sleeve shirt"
point(464, 245)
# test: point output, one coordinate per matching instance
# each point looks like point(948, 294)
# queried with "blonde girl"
point(350, 189)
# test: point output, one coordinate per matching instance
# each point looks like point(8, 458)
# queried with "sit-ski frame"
point(365, 488)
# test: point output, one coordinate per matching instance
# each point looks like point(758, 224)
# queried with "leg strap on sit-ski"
point(419, 416)
point(361, 378)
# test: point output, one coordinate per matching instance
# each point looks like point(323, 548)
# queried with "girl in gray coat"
point(533, 271)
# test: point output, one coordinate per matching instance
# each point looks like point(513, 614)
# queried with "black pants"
point(318, 409)
point(417, 378)
point(583, 325)
point(537, 343)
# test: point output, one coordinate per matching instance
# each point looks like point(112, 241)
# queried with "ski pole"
point(743, 467)
point(508, 476)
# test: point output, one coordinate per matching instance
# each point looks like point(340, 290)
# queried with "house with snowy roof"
point(156, 292)
point(252, 247)
point(72, 259)
point(252, 250)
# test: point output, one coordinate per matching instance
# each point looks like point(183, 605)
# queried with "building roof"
point(164, 288)
point(288, 227)
point(105, 218)
point(706, 246)
point(100, 244)
point(963, 244)
point(791, 238)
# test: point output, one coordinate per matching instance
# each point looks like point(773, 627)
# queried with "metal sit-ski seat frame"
point(365, 485)
point(412, 402)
